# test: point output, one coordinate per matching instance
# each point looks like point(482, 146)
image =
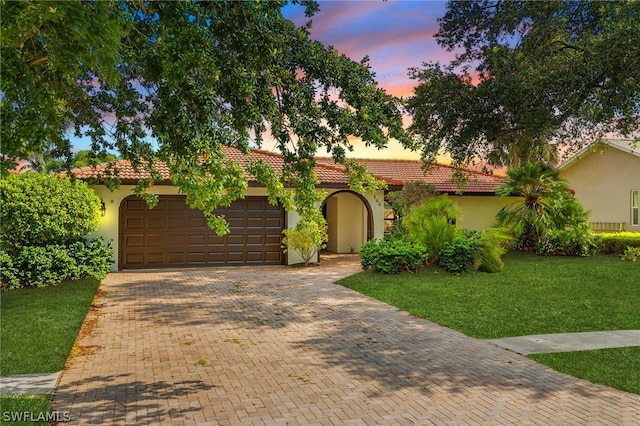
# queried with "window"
point(635, 205)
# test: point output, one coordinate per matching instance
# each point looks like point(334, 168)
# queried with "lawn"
point(38, 326)
point(24, 410)
point(533, 295)
point(617, 367)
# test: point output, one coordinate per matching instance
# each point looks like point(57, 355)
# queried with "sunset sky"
point(396, 35)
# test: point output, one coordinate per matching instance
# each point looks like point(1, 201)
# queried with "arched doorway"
point(350, 221)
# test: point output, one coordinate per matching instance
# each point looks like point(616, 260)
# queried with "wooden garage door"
point(173, 235)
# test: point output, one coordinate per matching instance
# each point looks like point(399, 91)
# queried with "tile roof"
point(439, 175)
point(327, 174)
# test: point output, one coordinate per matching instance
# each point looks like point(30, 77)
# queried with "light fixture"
point(103, 207)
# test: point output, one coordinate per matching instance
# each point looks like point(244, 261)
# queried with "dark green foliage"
point(617, 243)
point(413, 194)
point(39, 209)
point(492, 244)
point(631, 253)
point(572, 242)
point(176, 80)
point(526, 73)
point(432, 224)
point(41, 266)
point(459, 255)
point(390, 256)
point(548, 220)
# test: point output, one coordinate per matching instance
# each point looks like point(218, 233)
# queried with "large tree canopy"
point(528, 73)
point(188, 76)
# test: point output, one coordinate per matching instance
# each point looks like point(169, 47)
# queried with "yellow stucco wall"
point(603, 182)
point(479, 212)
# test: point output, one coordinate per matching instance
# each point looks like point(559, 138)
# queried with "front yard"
point(533, 295)
point(39, 327)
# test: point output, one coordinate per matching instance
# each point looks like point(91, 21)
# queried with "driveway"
point(286, 346)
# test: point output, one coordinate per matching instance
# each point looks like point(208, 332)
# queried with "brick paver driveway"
point(278, 346)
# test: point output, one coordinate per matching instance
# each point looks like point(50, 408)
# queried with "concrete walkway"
point(569, 342)
point(24, 384)
point(283, 346)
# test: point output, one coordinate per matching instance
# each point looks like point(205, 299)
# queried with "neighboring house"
point(173, 235)
point(606, 180)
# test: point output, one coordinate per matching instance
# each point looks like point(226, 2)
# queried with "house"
point(606, 179)
point(173, 235)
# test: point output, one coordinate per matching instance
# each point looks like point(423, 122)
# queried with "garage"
point(173, 235)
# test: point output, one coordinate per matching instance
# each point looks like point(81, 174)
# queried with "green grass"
point(618, 368)
point(39, 325)
point(533, 295)
point(13, 408)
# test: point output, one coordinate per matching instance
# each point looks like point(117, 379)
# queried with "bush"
point(50, 265)
point(307, 238)
point(617, 243)
point(390, 256)
point(432, 225)
point(572, 242)
point(631, 253)
point(492, 244)
point(40, 210)
point(459, 254)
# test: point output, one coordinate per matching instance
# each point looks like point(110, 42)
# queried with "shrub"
point(617, 243)
point(631, 253)
point(50, 265)
point(39, 210)
point(571, 242)
point(492, 244)
point(459, 254)
point(307, 238)
point(93, 258)
point(9, 274)
point(390, 256)
point(432, 225)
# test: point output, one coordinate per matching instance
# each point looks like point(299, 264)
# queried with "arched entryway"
point(350, 221)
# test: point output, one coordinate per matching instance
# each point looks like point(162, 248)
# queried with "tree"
point(193, 75)
point(528, 73)
point(547, 207)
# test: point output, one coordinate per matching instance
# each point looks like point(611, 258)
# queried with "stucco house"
point(173, 235)
point(606, 179)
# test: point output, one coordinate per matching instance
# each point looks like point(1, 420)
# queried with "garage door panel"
point(235, 240)
point(134, 222)
point(172, 234)
point(254, 239)
point(134, 241)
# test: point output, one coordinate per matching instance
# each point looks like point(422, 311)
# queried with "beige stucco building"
point(606, 180)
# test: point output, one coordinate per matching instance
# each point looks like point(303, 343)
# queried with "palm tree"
point(547, 204)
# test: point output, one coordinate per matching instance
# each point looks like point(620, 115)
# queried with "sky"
point(396, 35)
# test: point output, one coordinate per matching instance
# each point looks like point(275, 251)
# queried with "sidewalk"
point(569, 342)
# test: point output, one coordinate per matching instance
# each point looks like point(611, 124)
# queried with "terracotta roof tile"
point(394, 172)
point(326, 173)
point(439, 175)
